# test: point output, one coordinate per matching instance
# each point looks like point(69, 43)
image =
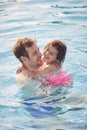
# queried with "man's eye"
point(35, 53)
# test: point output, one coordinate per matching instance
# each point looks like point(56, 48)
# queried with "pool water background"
point(44, 20)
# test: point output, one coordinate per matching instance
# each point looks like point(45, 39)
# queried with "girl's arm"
point(48, 69)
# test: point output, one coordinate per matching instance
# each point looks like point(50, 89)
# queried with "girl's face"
point(50, 54)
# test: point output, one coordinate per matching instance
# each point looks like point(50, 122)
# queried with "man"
point(28, 53)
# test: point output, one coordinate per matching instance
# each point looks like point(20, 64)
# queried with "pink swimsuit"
point(63, 78)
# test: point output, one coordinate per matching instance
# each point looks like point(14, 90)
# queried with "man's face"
point(34, 56)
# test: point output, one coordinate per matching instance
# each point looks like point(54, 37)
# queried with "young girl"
point(53, 58)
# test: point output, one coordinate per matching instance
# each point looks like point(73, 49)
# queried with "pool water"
point(65, 109)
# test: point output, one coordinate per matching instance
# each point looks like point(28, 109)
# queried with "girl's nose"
point(47, 53)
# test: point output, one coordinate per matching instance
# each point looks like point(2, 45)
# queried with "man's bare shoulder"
point(19, 70)
point(22, 78)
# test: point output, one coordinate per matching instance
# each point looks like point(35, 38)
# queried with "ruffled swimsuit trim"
point(63, 78)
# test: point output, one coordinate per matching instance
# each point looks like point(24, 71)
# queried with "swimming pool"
point(44, 20)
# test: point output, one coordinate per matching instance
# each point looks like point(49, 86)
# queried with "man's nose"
point(39, 54)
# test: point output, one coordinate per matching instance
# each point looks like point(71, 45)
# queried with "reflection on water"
point(65, 108)
point(3, 1)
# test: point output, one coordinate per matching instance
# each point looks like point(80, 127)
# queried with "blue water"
point(44, 20)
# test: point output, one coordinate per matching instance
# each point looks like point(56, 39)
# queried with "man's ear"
point(23, 58)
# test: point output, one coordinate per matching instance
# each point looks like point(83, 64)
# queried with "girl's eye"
point(51, 53)
point(47, 49)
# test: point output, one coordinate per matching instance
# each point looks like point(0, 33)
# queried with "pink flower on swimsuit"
point(59, 79)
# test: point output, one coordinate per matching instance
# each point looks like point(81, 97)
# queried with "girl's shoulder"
point(54, 65)
point(52, 68)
